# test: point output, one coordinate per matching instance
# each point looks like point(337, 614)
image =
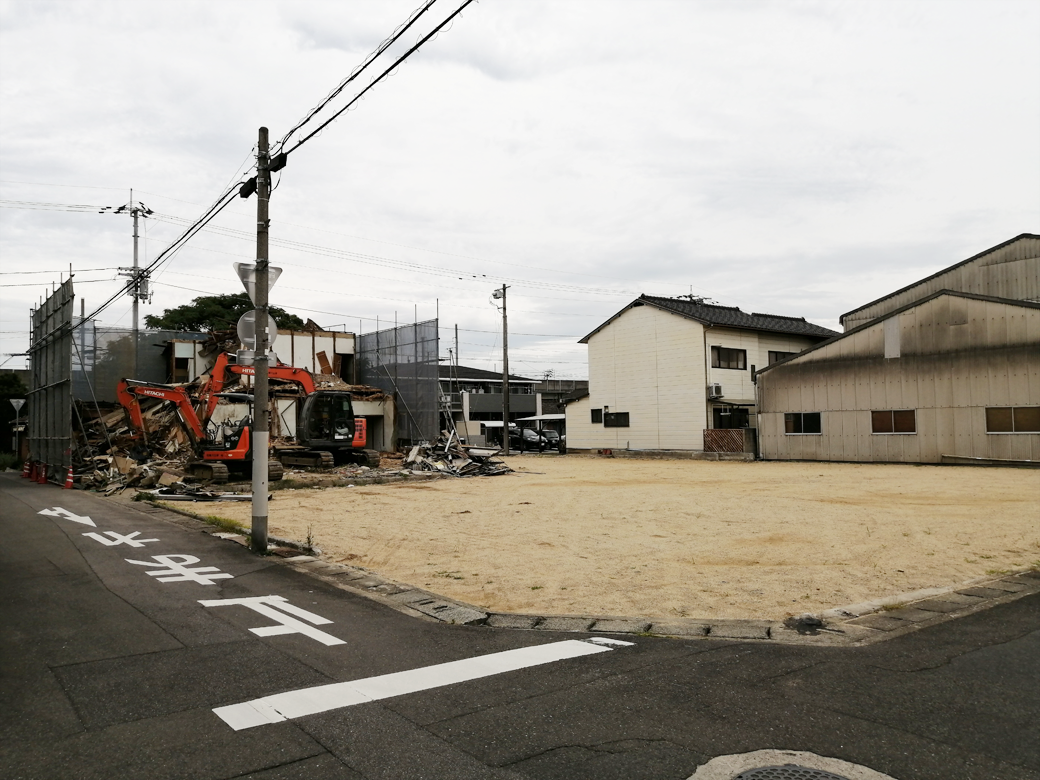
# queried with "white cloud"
point(792, 157)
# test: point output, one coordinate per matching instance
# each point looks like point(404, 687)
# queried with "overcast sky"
point(795, 158)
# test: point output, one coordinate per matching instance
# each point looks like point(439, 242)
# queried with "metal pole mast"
point(258, 536)
point(505, 375)
point(137, 286)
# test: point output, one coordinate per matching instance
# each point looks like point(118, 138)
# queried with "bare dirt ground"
point(658, 538)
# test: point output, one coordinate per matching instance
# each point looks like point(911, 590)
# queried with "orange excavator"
point(219, 448)
point(326, 428)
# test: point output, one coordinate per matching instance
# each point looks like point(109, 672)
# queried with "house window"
point(615, 420)
point(802, 423)
point(894, 421)
point(775, 357)
point(729, 417)
point(1013, 419)
point(597, 415)
point(724, 357)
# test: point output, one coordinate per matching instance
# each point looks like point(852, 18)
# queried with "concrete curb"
point(853, 625)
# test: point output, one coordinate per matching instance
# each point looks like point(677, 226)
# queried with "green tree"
point(11, 386)
point(215, 312)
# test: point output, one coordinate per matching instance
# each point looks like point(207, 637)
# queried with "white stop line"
point(321, 698)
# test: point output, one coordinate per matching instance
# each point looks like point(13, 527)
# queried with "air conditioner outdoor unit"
point(715, 390)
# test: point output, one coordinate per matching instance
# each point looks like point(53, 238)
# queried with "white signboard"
point(247, 273)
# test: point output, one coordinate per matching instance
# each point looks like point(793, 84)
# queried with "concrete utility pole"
point(137, 283)
point(138, 278)
point(258, 535)
point(505, 370)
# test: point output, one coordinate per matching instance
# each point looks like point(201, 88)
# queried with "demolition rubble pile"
point(109, 457)
point(451, 457)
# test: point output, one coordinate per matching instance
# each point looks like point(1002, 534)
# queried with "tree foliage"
point(215, 312)
point(12, 386)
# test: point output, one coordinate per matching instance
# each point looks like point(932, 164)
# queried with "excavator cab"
point(327, 420)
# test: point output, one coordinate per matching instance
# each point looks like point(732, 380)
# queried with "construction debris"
point(179, 491)
point(155, 447)
point(449, 456)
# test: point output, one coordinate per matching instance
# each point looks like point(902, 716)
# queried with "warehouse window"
point(597, 415)
point(723, 357)
point(1013, 419)
point(615, 420)
point(894, 421)
point(802, 423)
point(775, 357)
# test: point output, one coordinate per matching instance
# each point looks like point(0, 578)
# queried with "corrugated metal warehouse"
point(944, 370)
point(949, 377)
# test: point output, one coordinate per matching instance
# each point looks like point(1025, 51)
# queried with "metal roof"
point(465, 373)
point(971, 259)
point(728, 316)
point(893, 313)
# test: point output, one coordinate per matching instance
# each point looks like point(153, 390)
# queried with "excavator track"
point(313, 459)
point(368, 458)
point(274, 471)
point(209, 470)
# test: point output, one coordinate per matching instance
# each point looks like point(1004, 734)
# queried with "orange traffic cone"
point(41, 474)
point(68, 480)
point(26, 469)
point(32, 471)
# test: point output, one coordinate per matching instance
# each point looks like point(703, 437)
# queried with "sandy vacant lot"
point(582, 534)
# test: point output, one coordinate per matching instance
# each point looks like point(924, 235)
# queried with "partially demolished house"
point(76, 421)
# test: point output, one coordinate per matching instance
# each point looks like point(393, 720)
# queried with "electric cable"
point(386, 43)
point(381, 76)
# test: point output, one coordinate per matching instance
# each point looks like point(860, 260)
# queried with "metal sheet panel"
point(403, 362)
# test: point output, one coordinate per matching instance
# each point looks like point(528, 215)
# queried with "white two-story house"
point(663, 370)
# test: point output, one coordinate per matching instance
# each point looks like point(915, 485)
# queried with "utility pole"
point(258, 535)
point(136, 294)
point(138, 278)
point(501, 294)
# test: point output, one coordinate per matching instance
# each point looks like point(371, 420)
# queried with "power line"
point(387, 43)
point(224, 200)
point(406, 265)
point(60, 271)
point(69, 186)
point(37, 284)
point(381, 76)
point(79, 208)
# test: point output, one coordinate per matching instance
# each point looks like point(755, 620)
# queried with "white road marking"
point(117, 539)
point(65, 514)
point(269, 606)
point(178, 571)
point(310, 701)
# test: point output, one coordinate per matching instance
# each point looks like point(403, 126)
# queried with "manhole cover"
point(787, 772)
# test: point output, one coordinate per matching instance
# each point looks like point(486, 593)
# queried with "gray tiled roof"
point(477, 374)
point(728, 316)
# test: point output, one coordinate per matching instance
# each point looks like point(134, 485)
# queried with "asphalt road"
point(113, 669)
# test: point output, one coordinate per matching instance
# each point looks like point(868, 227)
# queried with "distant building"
point(922, 375)
point(556, 392)
point(474, 395)
point(663, 371)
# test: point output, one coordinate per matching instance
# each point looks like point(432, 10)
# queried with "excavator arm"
point(130, 390)
point(219, 373)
